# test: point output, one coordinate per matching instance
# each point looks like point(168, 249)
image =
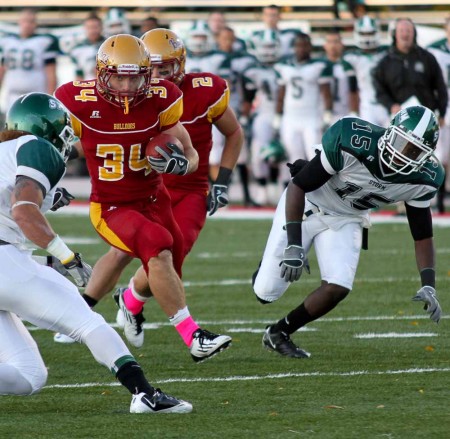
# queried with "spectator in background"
point(441, 50)
point(83, 54)
point(28, 60)
point(271, 16)
point(149, 23)
point(116, 22)
point(344, 87)
point(216, 23)
point(408, 75)
point(364, 58)
point(202, 57)
point(239, 60)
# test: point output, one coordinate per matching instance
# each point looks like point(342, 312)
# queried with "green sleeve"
point(38, 159)
point(331, 146)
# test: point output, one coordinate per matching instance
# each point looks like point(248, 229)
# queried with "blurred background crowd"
point(292, 70)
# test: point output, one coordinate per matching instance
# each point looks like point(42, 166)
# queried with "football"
point(163, 141)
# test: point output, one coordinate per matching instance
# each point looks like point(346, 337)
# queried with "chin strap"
point(127, 108)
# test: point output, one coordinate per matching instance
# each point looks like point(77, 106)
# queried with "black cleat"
point(159, 402)
point(281, 342)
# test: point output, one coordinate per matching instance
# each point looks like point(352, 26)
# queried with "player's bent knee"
point(39, 380)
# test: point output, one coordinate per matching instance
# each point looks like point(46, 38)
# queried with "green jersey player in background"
point(360, 166)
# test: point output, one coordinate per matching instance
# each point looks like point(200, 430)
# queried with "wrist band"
point(59, 249)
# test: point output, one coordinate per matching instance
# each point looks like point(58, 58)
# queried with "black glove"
point(217, 197)
point(294, 259)
point(61, 198)
point(173, 163)
point(297, 166)
point(79, 270)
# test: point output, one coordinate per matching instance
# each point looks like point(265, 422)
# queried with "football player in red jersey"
point(115, 116)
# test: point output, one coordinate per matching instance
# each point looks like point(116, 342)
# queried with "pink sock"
point(133, 305)
point(186, 328)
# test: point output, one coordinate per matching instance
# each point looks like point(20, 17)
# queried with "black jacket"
point(399, 76)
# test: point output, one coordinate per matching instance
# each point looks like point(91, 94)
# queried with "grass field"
point(379, 367)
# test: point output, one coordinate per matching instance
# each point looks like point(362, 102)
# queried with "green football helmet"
point(44, 116)
point(410, 140)
point(274, 152)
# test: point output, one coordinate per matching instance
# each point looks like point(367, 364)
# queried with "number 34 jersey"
point(360, 182)
point(114, 143)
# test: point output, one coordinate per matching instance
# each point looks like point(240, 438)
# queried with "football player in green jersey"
point(359, 166)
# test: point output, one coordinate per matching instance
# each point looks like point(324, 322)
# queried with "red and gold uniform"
point(205, 98)
point(130, 207)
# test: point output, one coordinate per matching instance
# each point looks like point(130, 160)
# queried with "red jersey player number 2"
point(165, 154)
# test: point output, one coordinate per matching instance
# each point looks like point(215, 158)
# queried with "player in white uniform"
point(441, 50)
point(361, 166)
point(201, 57)
point(344, 87)
point(35, 147)
point(28, 61)
point(305, 89)
point(83, 55)
point(261, 88)
point(364, 59)
point(239, 61)
point(271, 16)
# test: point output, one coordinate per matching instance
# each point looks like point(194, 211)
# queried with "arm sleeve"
point(312, 176)
point(420, 222)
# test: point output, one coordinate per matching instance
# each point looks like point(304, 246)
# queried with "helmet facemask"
point(408, 144)
point(138, 77)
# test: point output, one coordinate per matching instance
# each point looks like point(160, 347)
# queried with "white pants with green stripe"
point(43, 297)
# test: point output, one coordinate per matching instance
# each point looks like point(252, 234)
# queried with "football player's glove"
point(52, 262)
point(61, 198)
point(170, 163)
point(294, 260)
point(427, 294)
point(78, 270)
point(217, 198)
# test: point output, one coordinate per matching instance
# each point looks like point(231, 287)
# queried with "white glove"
point(427, 294)
point(79, 270)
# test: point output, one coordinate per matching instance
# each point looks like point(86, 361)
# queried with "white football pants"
point(337, 252)
point(43, 297)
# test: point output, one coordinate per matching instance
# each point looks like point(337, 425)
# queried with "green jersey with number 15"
point(360, 182)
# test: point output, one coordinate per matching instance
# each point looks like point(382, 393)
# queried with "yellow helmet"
point(122, 56)
point(166, 48)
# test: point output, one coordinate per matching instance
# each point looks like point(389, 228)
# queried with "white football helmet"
point(200, 39)
point(116, 22)
point(266, 47)
point(366, 33)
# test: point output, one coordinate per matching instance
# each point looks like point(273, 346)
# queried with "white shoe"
point(133, 330)
point(206, 344)
point(159, 402)
point(120, 319)
point(62, 338)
